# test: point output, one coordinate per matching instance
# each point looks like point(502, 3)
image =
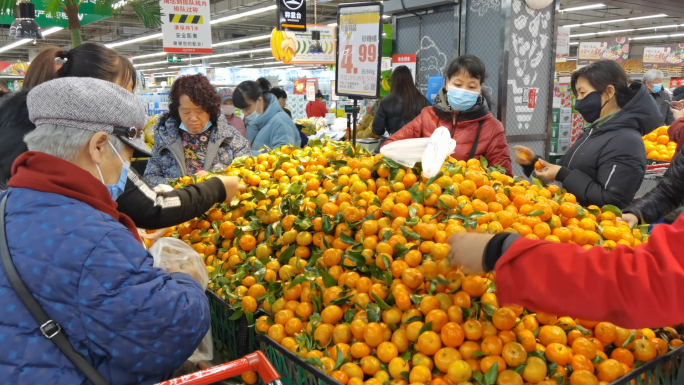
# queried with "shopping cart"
point(654, 173)
point(256, 361)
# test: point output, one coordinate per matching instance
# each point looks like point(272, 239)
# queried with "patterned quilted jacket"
point(168, 156)
point(133, 322)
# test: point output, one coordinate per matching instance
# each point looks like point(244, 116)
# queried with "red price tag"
point(367, 52)
point(531, 101)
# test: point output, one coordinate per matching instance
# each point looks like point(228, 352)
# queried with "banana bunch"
point(282, 46)
point(386, 84)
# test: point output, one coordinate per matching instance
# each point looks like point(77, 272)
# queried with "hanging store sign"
point(616, 49)
point(292, 47)
point(186, 26)
point(668, 55)
point(359, 46)
point(562, 44)
point(291, 15)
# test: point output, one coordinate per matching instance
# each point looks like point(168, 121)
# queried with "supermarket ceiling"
point(645, 22)
point(244, 26)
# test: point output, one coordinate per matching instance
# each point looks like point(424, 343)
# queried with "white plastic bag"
point(438, 148)
point(174, 255)
point(406, 152)
point(431, 151)
point(205, 350)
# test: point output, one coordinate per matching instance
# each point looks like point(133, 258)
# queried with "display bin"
point(232, 338)
point(292, 369)
point(664, 370)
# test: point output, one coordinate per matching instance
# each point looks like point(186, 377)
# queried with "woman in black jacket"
point(605, 166)
point(147, 209)
point(401, 106)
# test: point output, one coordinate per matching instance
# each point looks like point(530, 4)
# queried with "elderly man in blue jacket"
point(80, 258)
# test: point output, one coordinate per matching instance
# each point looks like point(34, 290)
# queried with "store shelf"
point(11, 77)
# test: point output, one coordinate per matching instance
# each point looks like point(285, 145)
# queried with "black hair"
point(247, 90)
point(473, 67)
point(278, 92)
point(287, 111)
point(604, 73)
point(678, 94)
point(402, 88)
point(319, 94)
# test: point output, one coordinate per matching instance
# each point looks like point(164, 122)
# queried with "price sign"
point(359, 47)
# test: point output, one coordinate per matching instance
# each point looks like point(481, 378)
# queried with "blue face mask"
point(116, 190)
point(657, 88)
point(461, 99)
point(182, 127)
point(251, 116)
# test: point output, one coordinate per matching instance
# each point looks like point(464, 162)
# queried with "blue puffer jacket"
point(273, 128)
point(133, 322)
point(168, 156)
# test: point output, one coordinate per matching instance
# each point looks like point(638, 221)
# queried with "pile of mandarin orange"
point(347, 256)
point(659, 146)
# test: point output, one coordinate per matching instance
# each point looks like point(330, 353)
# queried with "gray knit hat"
point(93, 105)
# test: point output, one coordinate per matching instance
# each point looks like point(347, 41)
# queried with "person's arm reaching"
point(664, 198)
point(633, 288)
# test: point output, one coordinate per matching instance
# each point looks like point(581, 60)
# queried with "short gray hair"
point(63, 142)
point(652, 75)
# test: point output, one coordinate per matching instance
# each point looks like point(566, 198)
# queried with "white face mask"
point(227, 109)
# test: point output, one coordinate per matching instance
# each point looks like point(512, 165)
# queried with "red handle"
point(256, 361)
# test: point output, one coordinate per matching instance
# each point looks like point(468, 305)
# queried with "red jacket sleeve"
point(412, 130)
point(632, 288)
point(676, 133)
point(497, 152)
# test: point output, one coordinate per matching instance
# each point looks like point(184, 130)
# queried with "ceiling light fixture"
point(609, 32)
point(26, 41)
point(150, 63)
point(236, 53)
point(614, 21)
point(583, 7)
point(136, 40)
point(648, 37)
point(244, 40)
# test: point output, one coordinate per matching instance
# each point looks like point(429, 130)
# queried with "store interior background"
point(517, 44)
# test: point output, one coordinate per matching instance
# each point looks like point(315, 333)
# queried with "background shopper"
point(403, 104)
point(463, 107)
point(228, 110)
point(653, 79)
point(316, 108)
point(193, 137)
point(272, 128)
point(605, 166)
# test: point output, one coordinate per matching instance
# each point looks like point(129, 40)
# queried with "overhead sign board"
point(86, 15)
point(291, 15)
point(292, 47)
point(667, 55)
point(359, 50)
point(186, 26)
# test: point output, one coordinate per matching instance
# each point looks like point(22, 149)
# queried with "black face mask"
point(590, 107)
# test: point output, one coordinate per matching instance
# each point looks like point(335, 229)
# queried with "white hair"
point(652, 75)
point(63, 142)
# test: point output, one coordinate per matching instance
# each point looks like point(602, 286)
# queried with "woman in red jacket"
point(463, 108)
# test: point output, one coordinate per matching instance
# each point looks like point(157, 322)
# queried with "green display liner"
point(293, 370)
point(232, 338)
